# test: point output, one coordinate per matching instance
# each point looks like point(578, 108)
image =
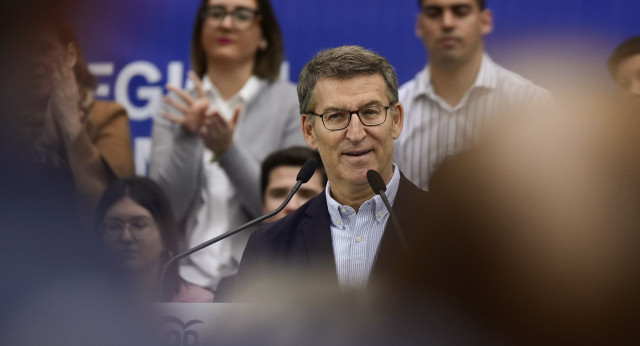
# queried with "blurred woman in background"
point(69, 134)
point(139, 232)
point(208, 141)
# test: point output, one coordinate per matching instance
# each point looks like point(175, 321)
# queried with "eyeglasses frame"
point(351, 113)
point(126, 225)
point(257, 16)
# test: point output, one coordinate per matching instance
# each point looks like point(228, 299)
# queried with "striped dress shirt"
point(356, 236)
point(434, 130)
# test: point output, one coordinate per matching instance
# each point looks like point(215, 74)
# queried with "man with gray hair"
point(351, 115)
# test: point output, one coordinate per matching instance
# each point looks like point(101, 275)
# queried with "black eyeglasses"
point(139, 227)
point(241, 18)
point(340, 119)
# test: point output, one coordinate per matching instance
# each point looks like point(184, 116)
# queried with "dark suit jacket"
point(300, 244)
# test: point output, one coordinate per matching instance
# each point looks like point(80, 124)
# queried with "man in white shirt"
point(459, 92)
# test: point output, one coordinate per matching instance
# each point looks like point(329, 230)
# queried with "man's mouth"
point(448, 40)
point(357, 153)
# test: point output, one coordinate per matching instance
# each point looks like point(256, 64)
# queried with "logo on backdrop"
point(177, 333)
point(138, 88)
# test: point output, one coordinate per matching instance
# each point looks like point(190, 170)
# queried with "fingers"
point(181, 107)
point(216, 122)
point(236, 115)
point(181, 93)
point(197, 83)
point(66, 73)
point(173, 118)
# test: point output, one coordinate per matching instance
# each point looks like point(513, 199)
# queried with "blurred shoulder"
point(280, 87)
point(103, 111)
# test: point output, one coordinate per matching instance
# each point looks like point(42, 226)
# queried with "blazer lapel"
point(316, 231)
point(408, 207)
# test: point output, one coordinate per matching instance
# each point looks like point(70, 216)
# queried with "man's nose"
point(355, 130)
point(448, 19)
point(294, 204)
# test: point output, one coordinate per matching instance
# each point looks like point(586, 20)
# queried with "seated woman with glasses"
point(208, 141)
point(139, 232)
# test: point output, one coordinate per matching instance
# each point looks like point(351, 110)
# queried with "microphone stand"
point(223, 236)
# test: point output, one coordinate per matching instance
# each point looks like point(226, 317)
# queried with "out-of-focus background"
point(565, 252)
point(136, 47)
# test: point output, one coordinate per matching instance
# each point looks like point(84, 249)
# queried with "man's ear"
point(398, 119)
point(418, 28)
point(486, 21)
point(71, 55)
point(307, 131)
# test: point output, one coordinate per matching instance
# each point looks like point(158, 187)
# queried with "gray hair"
point(344, 63)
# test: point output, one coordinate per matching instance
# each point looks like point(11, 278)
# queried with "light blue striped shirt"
point(356, 236)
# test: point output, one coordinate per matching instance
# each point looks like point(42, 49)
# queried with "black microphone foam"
point(375, 181)
point(379, 187)
point(307, 170)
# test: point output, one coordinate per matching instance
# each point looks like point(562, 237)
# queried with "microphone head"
point(375, 181)
point(307, 170)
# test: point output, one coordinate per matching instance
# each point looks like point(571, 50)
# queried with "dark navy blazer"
point(301, 244)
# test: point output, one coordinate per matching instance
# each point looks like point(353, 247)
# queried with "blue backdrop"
point(138, 46)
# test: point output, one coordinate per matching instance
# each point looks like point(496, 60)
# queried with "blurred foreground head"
point(624, 66)
point(540, 227)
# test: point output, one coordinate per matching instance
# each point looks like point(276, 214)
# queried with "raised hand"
point(217, 133)
point(193, 110)
point(64, 107)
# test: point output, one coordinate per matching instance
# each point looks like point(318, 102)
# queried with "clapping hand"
point(193, 110)
point(216, 132)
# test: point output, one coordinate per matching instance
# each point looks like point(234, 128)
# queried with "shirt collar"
point(337, 210)
point(248, 91)
point(484, 79)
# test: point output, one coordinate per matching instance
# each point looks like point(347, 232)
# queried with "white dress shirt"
point(221, 211)
point(356, 236)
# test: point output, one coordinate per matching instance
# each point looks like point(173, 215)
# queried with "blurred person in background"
point(624, 66)
point(208, 142)
point(459, 92)
point(278, 176)
point(69, 134)
point(138, 231)
point(56, 289)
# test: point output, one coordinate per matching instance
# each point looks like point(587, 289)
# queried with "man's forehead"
point(331, 90)
point(449, 3)
point(629, 64)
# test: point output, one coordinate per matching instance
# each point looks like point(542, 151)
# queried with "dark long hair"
point(268, 61)
point(150, 196)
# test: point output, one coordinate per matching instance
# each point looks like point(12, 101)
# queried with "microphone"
point(305, 173)
point(378, 186)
